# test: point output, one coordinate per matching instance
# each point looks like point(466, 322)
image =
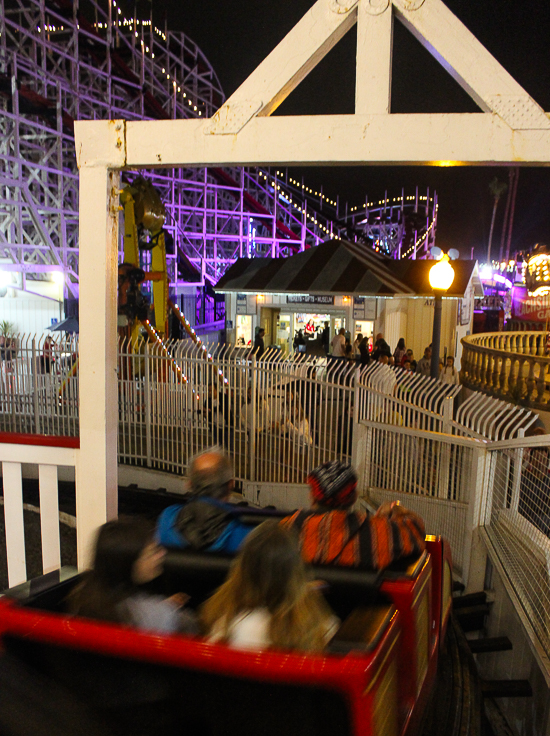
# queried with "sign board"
point(529, 308)
point(246, 304)
point(465, 307)
point(364, 308)
point(309, 299)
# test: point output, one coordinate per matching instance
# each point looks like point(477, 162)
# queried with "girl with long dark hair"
point(399, 351)
point(126, 559)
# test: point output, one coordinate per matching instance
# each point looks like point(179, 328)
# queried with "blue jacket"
point(229, 540)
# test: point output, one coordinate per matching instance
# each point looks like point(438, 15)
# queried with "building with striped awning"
point(349, 285)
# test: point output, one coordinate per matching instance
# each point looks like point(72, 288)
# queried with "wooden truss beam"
point(441, 140)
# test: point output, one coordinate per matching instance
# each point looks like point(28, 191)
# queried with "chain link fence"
point(517, 522)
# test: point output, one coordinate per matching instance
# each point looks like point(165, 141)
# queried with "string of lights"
point(276, 185)
point(384, 202)
point(298, 207)
point(418, 243)
point(129, 23)
point(194, 337)
point(153, 334)
point(121, 21)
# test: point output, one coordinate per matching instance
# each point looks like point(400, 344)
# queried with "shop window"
point(244, 330)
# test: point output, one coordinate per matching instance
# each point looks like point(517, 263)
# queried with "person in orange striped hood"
point(331, 533)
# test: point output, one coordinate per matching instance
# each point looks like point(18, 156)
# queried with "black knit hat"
point(333, 484)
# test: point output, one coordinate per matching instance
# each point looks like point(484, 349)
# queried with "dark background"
point(236, 35)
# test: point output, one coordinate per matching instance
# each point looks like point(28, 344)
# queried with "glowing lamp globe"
point(442, 275)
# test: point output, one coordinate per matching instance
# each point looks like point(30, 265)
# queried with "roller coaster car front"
point(375, 679)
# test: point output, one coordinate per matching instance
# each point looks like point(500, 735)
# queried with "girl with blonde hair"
point(266, 600)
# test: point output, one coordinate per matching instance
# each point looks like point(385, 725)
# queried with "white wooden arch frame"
point(511, 128)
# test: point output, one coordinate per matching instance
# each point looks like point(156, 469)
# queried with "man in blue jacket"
point(207, 521)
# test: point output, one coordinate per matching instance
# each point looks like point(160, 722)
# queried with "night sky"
point(236, 35)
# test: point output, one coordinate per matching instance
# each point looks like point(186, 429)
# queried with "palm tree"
point(497, 189)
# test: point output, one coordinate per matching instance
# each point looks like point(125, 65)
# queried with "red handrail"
point(42, 440)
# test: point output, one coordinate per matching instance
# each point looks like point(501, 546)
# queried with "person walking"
point(259, 346)
point(325, 338)
point(339, 344)
point(381, 347)
point(364, 351)
point(357, 342)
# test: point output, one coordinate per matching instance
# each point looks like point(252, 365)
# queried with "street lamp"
point(441, 277)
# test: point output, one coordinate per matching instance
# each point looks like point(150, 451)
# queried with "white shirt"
point(449, 375)
point(338, 344)
point(263, 416)
point(298, 431)
point(247, 631)
point(251, 630)
point(153, 613)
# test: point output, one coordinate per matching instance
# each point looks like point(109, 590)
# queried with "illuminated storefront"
point(345, 285)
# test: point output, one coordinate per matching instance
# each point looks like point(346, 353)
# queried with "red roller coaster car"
point(376, 678)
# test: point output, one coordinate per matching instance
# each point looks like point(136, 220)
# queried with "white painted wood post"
point(14, 523)
point(96, 470)
point(49, 518)
point(374, 58)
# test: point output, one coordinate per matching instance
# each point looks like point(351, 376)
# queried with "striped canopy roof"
point(339, 267)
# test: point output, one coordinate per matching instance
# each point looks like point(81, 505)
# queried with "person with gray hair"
point(207, 521)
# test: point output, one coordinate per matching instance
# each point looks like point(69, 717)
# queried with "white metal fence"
point(38, 385)
point(276, 417)
point(460, 462)
point(437, 475)
point(48, 457)
point(426, 444)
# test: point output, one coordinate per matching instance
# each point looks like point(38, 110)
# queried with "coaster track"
point(61, 61)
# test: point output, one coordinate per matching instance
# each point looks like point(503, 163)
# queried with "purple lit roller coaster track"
point(60, 61)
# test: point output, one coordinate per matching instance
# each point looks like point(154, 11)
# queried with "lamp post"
point(441, 277)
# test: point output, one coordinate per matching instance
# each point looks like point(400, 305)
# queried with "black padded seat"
point(199, 573)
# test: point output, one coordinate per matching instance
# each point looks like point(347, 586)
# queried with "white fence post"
point(474, 560)
point(147, 399)
point(97, 470)
point(49, 517)
point(516, 481)
point(356, 442)
point(446, 449)
point(252, 438)
point(34, 380)
point(360, 454)
point(448, 411)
